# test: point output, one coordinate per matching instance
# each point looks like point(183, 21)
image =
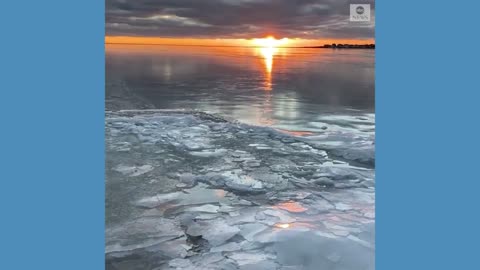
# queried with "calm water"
point(284, 87)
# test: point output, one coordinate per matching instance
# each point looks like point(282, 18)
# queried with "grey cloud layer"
point(235, 18)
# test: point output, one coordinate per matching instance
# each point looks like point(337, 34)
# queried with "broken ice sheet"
point(222, 195)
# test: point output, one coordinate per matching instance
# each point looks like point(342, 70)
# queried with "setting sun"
point(269, 42)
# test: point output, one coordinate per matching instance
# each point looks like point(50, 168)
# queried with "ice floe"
point(189, 190)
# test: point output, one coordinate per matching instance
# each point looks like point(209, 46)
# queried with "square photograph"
point(239, 134)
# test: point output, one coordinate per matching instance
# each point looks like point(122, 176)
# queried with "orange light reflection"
point(295, 133)
point(291, 206)
point(220, 193)
point(268, 54)
point(282, 225)
point(295, 225)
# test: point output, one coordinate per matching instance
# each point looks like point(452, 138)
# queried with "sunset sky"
point(234, 22)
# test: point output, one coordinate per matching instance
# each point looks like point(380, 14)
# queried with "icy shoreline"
point(190, 190)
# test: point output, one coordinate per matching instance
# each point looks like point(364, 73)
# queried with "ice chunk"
point(141, 233)
point(181, 263)
point(324, 182)
point(245, 215)
point(229, 247)
point(242, 202)
point(342, 206)
point(264, 265)
point(172, 249)
point(209, 153)
point(242, 183)
point(154, 201)
point(133, 170)
point(208, 208)
point(194, 196)
point(187, 179)
point(206, 216)
point(181, 185)
point(193, 145)
point(283, 218)
point(216, 232)
point(224, 208)
point(248, 231)
point(213, 261)
point(246, 258)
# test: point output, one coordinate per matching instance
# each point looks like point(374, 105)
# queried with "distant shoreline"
point(344, 46)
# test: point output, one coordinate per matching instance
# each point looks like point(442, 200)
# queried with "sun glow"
point(270, 42)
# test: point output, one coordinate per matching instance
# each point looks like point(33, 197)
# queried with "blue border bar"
point(427, 135)
point(52, 144)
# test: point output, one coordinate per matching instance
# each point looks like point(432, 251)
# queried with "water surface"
point(282, 87)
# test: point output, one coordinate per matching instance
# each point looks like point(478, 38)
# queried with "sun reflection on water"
point(268, 48)
point(268, 53)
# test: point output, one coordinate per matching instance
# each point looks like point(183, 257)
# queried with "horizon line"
point(229, 46)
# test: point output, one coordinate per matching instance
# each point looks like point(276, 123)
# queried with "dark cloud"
point(236, 18)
